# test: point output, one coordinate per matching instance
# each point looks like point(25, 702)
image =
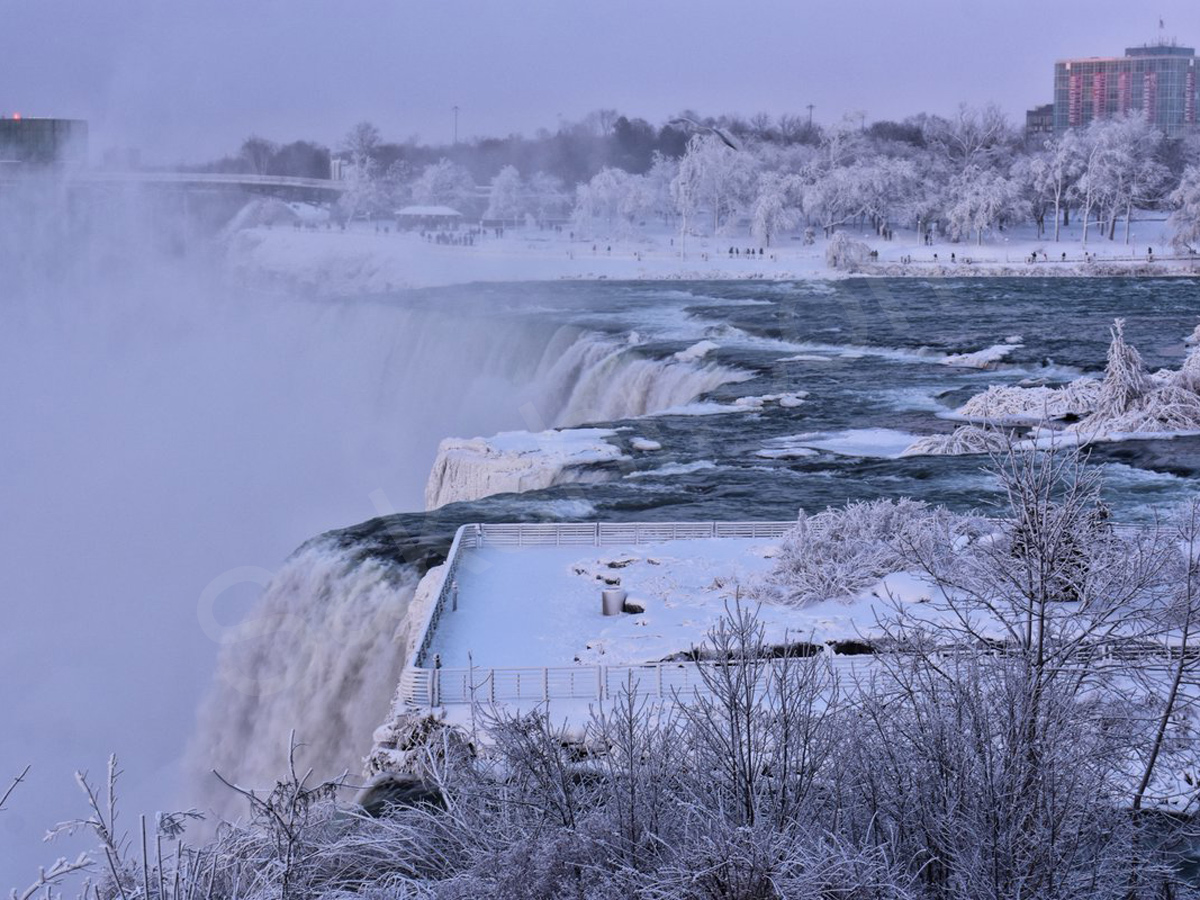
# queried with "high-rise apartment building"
point(1157, 81)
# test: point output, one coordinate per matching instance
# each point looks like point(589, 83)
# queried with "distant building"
point(1157, 81)
point(1039, 124)
point(26, 141)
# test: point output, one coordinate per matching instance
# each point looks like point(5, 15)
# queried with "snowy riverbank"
point(369, 259)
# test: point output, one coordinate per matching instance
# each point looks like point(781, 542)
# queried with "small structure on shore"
point(427, 217)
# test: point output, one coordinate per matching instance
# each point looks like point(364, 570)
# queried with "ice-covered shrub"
point(843, 252)
point(1188, 376)
point(1168, 409)
point(840, 552)
point(1030, 405)
point(964, 440)
point(1125, 379)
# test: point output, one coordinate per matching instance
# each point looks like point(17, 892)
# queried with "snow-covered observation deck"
point(518, 615)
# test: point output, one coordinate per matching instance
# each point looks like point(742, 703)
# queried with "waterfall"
point(320, 655)
point(322, 652)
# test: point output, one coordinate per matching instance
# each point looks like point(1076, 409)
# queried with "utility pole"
point(455, 108)
point(810, 109)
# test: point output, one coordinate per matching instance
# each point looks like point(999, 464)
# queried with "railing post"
point(658, 668)
point(599, 682)
point(545, 685)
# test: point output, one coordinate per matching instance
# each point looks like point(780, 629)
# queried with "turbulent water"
point(807, 399)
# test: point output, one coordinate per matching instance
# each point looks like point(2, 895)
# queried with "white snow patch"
point(877, 443)
point(645, 445)
point(982, 359)
point(697, 351)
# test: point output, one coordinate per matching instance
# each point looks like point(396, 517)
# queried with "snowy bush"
point(964, 440)
point(843, 252)
point(840, 552)
point(1012, 404)
point(1125, 379)
point(1188, 376)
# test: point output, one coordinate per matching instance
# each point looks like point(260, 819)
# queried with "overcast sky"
point(186, 80)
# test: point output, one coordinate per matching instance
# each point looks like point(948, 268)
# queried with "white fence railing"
point(440, 687)
point(425, 687)
point(605, 533)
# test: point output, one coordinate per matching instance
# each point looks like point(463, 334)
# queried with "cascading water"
point(323, 650)
point(320, 656)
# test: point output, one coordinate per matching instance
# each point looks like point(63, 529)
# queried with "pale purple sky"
point(185, 80)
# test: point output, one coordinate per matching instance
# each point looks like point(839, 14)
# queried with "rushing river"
point(164, 435)
point(763, 399)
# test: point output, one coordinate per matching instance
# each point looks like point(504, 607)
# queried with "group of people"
point(749, 251)
point(456, 238)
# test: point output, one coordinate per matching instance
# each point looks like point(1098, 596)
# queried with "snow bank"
point(515, 461)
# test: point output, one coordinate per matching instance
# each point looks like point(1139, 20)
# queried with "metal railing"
point(607, 533)
point(441, 687)
point(424, 687)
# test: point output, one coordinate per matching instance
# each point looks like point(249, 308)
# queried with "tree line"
point(963, 177)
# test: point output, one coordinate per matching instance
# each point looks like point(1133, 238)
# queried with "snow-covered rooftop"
point(428, 211)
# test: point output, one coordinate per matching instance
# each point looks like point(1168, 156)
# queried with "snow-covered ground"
point(366, 258)
point(540, 606)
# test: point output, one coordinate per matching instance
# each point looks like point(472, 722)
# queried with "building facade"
point(1039, 124)
point(25, 141)
point(1157, 81)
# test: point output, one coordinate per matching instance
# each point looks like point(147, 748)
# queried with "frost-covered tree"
point(505, 199)
point(712, 175)
point(663, 171)
point(396, 183)
point(983, 138)
point(445, 183)
point(1120, 168)
point(258, 153)
point(1052, 173)
point(362, 141)
point(775, 207)
point(547, 197)
point(1185, 219)
point(981, 199)
point(363, 196)
point(611, 202)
